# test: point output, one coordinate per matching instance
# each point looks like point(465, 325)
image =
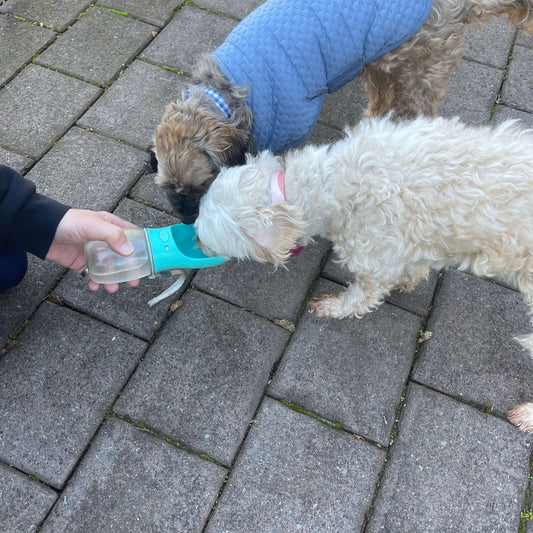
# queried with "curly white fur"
point(395, 199)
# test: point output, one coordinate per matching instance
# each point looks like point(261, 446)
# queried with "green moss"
point(300, 409)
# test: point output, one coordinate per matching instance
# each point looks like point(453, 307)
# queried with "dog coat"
point(290, 53)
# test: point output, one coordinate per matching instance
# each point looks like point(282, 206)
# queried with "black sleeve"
point(28, 220)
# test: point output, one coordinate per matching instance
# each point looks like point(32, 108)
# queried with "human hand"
point(79, 226)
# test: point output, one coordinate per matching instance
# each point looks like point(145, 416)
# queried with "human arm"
point(51, 230)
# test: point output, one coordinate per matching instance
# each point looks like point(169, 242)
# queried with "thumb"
point(118, 241)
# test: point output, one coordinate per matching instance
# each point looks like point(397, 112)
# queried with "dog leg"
point(361, 297)
point(409, 282)
point(522, 416)
point(525, 283)
point(411, 80)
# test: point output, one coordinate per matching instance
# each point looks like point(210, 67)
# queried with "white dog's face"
point(238, 220)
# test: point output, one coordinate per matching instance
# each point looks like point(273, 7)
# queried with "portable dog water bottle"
point(154, 250)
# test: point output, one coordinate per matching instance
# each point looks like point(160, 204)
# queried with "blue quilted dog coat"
point(292, 52)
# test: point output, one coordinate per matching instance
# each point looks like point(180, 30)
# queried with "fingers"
point(109, 287)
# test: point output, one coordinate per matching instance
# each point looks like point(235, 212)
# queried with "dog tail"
point(519, 12)
point(522, 416)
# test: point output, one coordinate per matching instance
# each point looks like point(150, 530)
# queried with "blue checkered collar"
point(217, 98)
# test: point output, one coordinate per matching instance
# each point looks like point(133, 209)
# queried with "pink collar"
point(277, 193)
point(277, 187)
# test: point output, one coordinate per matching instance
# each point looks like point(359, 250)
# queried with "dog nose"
point(189, 219)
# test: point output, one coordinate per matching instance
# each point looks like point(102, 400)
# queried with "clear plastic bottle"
point(154, 250)
point(106, 266)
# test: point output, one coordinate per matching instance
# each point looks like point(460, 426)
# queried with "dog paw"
point(522, 417)
point(329, 306)
point(407, 286)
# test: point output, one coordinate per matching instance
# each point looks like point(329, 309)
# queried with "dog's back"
point(450, 193)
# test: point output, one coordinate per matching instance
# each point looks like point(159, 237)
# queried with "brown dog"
point(202, 133)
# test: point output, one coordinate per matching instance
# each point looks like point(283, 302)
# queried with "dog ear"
point(275, 229)
point(227, 145)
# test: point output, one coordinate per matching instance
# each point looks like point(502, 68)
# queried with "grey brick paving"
point(518, 88)
point(296, 473)
point(58, 14)
point(191, 31)
point(132, 108)
point(205, 402)
point(156, 12)
point(448, 449)
point(38, 106)
point(489, 45)
point(235, 8)
point(19, 162)
point(350, 371)
point(86, 183)
point(481, 83)
point(24, 502)
point(20, 41)
point(485, 318)
point(115, 39)
point(529, 509)
point(229, 407)
point(57, 387)
point(154, 486)
point(508, 113)
point(146, 191)
point(272, 293)
point(19, 303)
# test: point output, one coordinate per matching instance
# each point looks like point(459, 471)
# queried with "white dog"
point(395, 199)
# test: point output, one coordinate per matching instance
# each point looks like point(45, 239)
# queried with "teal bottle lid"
point(175, 247)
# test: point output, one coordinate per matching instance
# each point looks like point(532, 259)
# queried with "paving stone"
point(133, 106)
point(58, 14)
point(57, 386)
point(350, 371)
point(344, 107)
point(147, 191)
point(417, 301)
point(503, 113)
point(481, 84)
point(38, 106)
point(472, 353)
point(529, 522)
point(115, 41)
point(19, 303)
point(452, 469)
point(296, 473)
point(323, 135)
point(88, 171)
point(23, 501)
point(19, 162)
point(128, 308)
point(262, 289)
point(132, 481)
point(235, 8)
point(518, 89)
point(191, 32)
point(19, 42)
point(156, 12)
point(204, 376)
point(489, 44)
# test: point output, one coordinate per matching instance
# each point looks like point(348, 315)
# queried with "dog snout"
point(185, 206)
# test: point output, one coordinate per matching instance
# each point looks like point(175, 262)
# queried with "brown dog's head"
point(191, 145)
